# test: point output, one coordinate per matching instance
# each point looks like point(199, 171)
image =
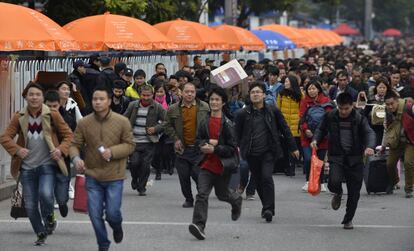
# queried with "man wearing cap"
point(90, 78)
point(128, 76)
point(77, 79)
point(197, 62)
point(107, 75)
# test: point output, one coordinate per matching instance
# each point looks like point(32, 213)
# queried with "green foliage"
point(132, 8)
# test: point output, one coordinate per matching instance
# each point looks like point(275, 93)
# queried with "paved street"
point(303, 222)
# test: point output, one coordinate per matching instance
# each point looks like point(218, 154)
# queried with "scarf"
point(162, 100)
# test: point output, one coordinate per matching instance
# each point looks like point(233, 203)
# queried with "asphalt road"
point(302, 222)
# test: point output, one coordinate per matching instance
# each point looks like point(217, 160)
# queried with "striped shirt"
point(139, 130)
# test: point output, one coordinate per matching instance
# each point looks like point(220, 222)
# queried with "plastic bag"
point(314, 186)
point(80, 203)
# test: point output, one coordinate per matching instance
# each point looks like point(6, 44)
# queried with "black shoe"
point(389, 189)
point(63, 209)
point(236, 209)
point(171, 171)
point(142, 193)
point(103, 249)
point(118, 235)
point(188, 204)
point(408, 195)
point(51, 224)
point(196, 231)
point(41, 239)
point(336, 201)
point(268, 215)
point(158, 176)
point(348, 225)
point(134, 184)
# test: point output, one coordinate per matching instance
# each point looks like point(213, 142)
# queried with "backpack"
point(314, 114)
point(408, 121)
point(378, 115)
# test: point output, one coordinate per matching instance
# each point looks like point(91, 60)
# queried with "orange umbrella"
point(289, 32)
point(108, 31)
point(313, 39)
point(192, 36)
point(240, 38)
point(333, 36)
point(26, 29)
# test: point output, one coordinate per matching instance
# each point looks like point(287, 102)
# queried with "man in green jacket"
point(399, 144)
point(182, 122)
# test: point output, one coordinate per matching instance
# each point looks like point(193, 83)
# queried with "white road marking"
point(187, 223)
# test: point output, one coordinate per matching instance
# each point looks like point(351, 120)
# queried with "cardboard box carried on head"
point(228, 75)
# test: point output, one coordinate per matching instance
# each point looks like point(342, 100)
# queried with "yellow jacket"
point(290, 110)
point(131, 92)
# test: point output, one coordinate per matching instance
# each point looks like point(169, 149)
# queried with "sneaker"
point(118, 235)
point(268, 215)
point(236, 209)
point(348, 225)
point(56, 206)
point(71, 192)
point(196, 231)
point(250, 197)
point(305, 187)
point(41, 239)
point(408, 195)
point(323, 188)
point(158, 176)
point(63, 209)
point(389, 189)
point(336, 201)
point(51, 224)
point(142, 193)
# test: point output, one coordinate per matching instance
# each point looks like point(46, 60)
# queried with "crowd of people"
point(341, 102)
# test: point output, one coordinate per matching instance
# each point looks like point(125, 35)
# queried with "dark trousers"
point(140, 164)
point(262, 169)
point(187, 168)
point(246, 178)
point(206, 181)
point(353, 176)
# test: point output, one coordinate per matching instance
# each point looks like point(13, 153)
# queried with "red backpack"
point(408, 121)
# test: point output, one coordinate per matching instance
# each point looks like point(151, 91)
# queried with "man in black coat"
point(258, 130)
point(349, 138)
point(107, 76)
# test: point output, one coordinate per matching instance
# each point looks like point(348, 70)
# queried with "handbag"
point(314, 186)
point(231, 164)
point(18, 209)
point(80, 203)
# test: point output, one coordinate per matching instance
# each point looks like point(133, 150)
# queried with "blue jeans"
point(307, 154)
point(104, 196)
point(38, 186)
point(62, 188)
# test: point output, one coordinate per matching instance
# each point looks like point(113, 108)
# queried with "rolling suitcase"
point(375, 174)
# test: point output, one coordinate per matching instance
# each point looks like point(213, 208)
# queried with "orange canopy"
point(238, 38)
point(289, 32)
point(192, 36)
point(101, 32)
point(321, 37)
point(26, 29)
point(314, 40)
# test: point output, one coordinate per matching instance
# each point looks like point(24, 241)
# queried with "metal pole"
point(230, 12)
point(368, 19)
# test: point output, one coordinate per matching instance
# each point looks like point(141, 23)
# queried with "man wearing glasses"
point(258, 130)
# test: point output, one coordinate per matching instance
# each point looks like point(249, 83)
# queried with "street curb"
point(6, 189)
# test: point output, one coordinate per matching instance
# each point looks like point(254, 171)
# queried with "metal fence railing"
point(16, 73)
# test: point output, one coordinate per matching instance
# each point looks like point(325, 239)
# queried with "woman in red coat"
point(312, 108)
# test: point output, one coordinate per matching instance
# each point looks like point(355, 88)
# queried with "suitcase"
point(80, 203)
point(375, 174)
